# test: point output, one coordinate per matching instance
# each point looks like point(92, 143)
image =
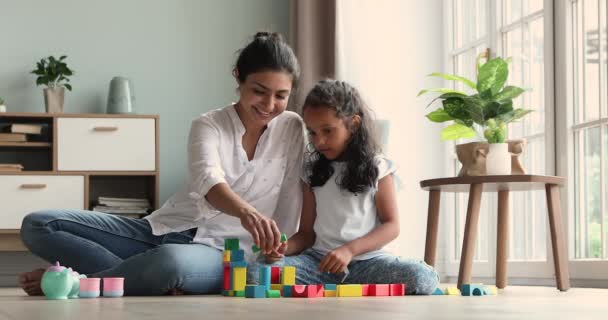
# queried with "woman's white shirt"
point(269, 182)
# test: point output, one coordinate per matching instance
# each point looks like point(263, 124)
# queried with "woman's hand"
point(264, 230)
point(336, 261)
point(277, 255)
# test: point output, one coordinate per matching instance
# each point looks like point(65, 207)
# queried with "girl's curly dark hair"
point(361, 172)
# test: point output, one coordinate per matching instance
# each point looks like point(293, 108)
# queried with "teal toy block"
point(265, 276)
point(237, 255)
point(438, 292)
point(330, 286)
point(238, 264)
point(255, 291)
point(231, 244)
point(287, 291)
point(472, 289)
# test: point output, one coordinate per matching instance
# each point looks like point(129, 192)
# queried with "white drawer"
point(24, 194)
point(106, 144)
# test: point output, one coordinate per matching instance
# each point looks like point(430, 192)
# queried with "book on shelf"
point(120, 210)
point(12, 137)
point(124, 202)
point(24, 128)
point(10, 167)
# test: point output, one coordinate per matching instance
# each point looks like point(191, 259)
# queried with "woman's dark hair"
point(361, 171)
point(267, 51)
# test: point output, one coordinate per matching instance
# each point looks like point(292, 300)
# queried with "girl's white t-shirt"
point(343, 216)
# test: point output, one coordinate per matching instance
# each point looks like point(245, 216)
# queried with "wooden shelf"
point(25, 144)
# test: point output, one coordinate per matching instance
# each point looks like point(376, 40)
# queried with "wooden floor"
point(515, 302)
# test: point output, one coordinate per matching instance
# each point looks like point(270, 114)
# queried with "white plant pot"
point(498, 161)
point(2, 108)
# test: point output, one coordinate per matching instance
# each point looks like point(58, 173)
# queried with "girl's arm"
point(386, 206)
point(305, 237)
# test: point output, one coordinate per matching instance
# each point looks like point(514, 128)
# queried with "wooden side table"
point(503, 185)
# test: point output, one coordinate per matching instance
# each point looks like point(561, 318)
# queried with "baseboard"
point(545, 282)
point(14, 263)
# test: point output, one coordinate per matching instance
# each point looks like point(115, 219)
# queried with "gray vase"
point(53, 99)
point(121, 96)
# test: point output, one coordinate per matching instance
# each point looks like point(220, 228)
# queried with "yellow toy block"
point(288, 276)
point(349, 290)
point(227, 256)
point(276, 286)
point(491, 290)
point(329, 293)
point(239, 278)
point(452, 291)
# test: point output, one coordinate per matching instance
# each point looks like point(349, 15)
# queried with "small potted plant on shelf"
point(485, 114)
point(54, 74)
point(2, 106)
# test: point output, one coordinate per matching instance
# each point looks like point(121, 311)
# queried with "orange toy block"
point(379, 290)
point(276, 286)
point(227, 256)
point(329, 293)
point(275, 275)
point(349, 290)
point(397, 289)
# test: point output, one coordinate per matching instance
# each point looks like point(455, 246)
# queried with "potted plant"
point(2, 106)
point(54, 74)
point(485, 113)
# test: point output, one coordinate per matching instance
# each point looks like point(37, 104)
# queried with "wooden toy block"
point(231, 244)
point(239, 279)
point(349, 290)
point(329, 286)
point(239, 293)
point(237, 255)
point(227, 256)
point(288, 276)
point(276, 286)
point(226, 293)
point(468, 289)
point(314, 291)
point(491, 290)
point(255, 291)
point(264, 276)
point(238, 264)
point(397, 289)
point(273, 293)
point(438, 292)
point(227, 277)
point(287, 291)
point(257, 249)
point(379, 290)
point(226, 264)
point(365, 290)
point(452, 291)
point(298, 291)
point(275, 274)
point(330, 293)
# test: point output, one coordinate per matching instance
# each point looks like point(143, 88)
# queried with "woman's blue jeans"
point(104, 245)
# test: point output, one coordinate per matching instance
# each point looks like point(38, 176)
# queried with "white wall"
point(386, 49)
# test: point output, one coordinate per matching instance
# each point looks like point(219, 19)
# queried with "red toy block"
point(298, 291)
point(275, 275)
point(378, 290)
point(397, 289)
point(365, 290)
point(314, 291)
point(226, 278)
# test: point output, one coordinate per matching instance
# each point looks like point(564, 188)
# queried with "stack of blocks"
point(276, 282)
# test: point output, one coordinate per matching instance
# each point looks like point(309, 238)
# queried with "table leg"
point(470, 234)
point(432, 223)
point(502, 239)
point(558, 239)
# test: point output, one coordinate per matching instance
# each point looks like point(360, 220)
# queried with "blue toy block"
point(330, 286)
point(472, 289)
point(238, 264)
point(438, 292)
point(287, 291)
point(255, 291)
point(265, 276)
point(237, 255)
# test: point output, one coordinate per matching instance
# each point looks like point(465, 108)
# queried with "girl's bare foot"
point(30, 282)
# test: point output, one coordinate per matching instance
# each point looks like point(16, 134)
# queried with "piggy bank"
point(57, 282)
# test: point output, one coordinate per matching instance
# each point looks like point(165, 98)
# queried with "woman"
point(244, 164)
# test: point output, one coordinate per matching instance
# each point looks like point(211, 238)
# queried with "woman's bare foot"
point(30, 282)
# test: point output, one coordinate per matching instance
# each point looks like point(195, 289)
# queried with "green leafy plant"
point(488, 110)
point(53, 72)
point(1, 101)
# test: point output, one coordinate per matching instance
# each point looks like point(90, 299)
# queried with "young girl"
point(349, 211)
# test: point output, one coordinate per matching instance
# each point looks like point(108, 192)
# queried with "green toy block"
point(273, 293)
point(257, 249)
point(239, 293)
point(231, 244)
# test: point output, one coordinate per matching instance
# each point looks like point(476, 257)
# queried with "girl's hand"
point(264, 231)
point(337, 260)
point(277, 255)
